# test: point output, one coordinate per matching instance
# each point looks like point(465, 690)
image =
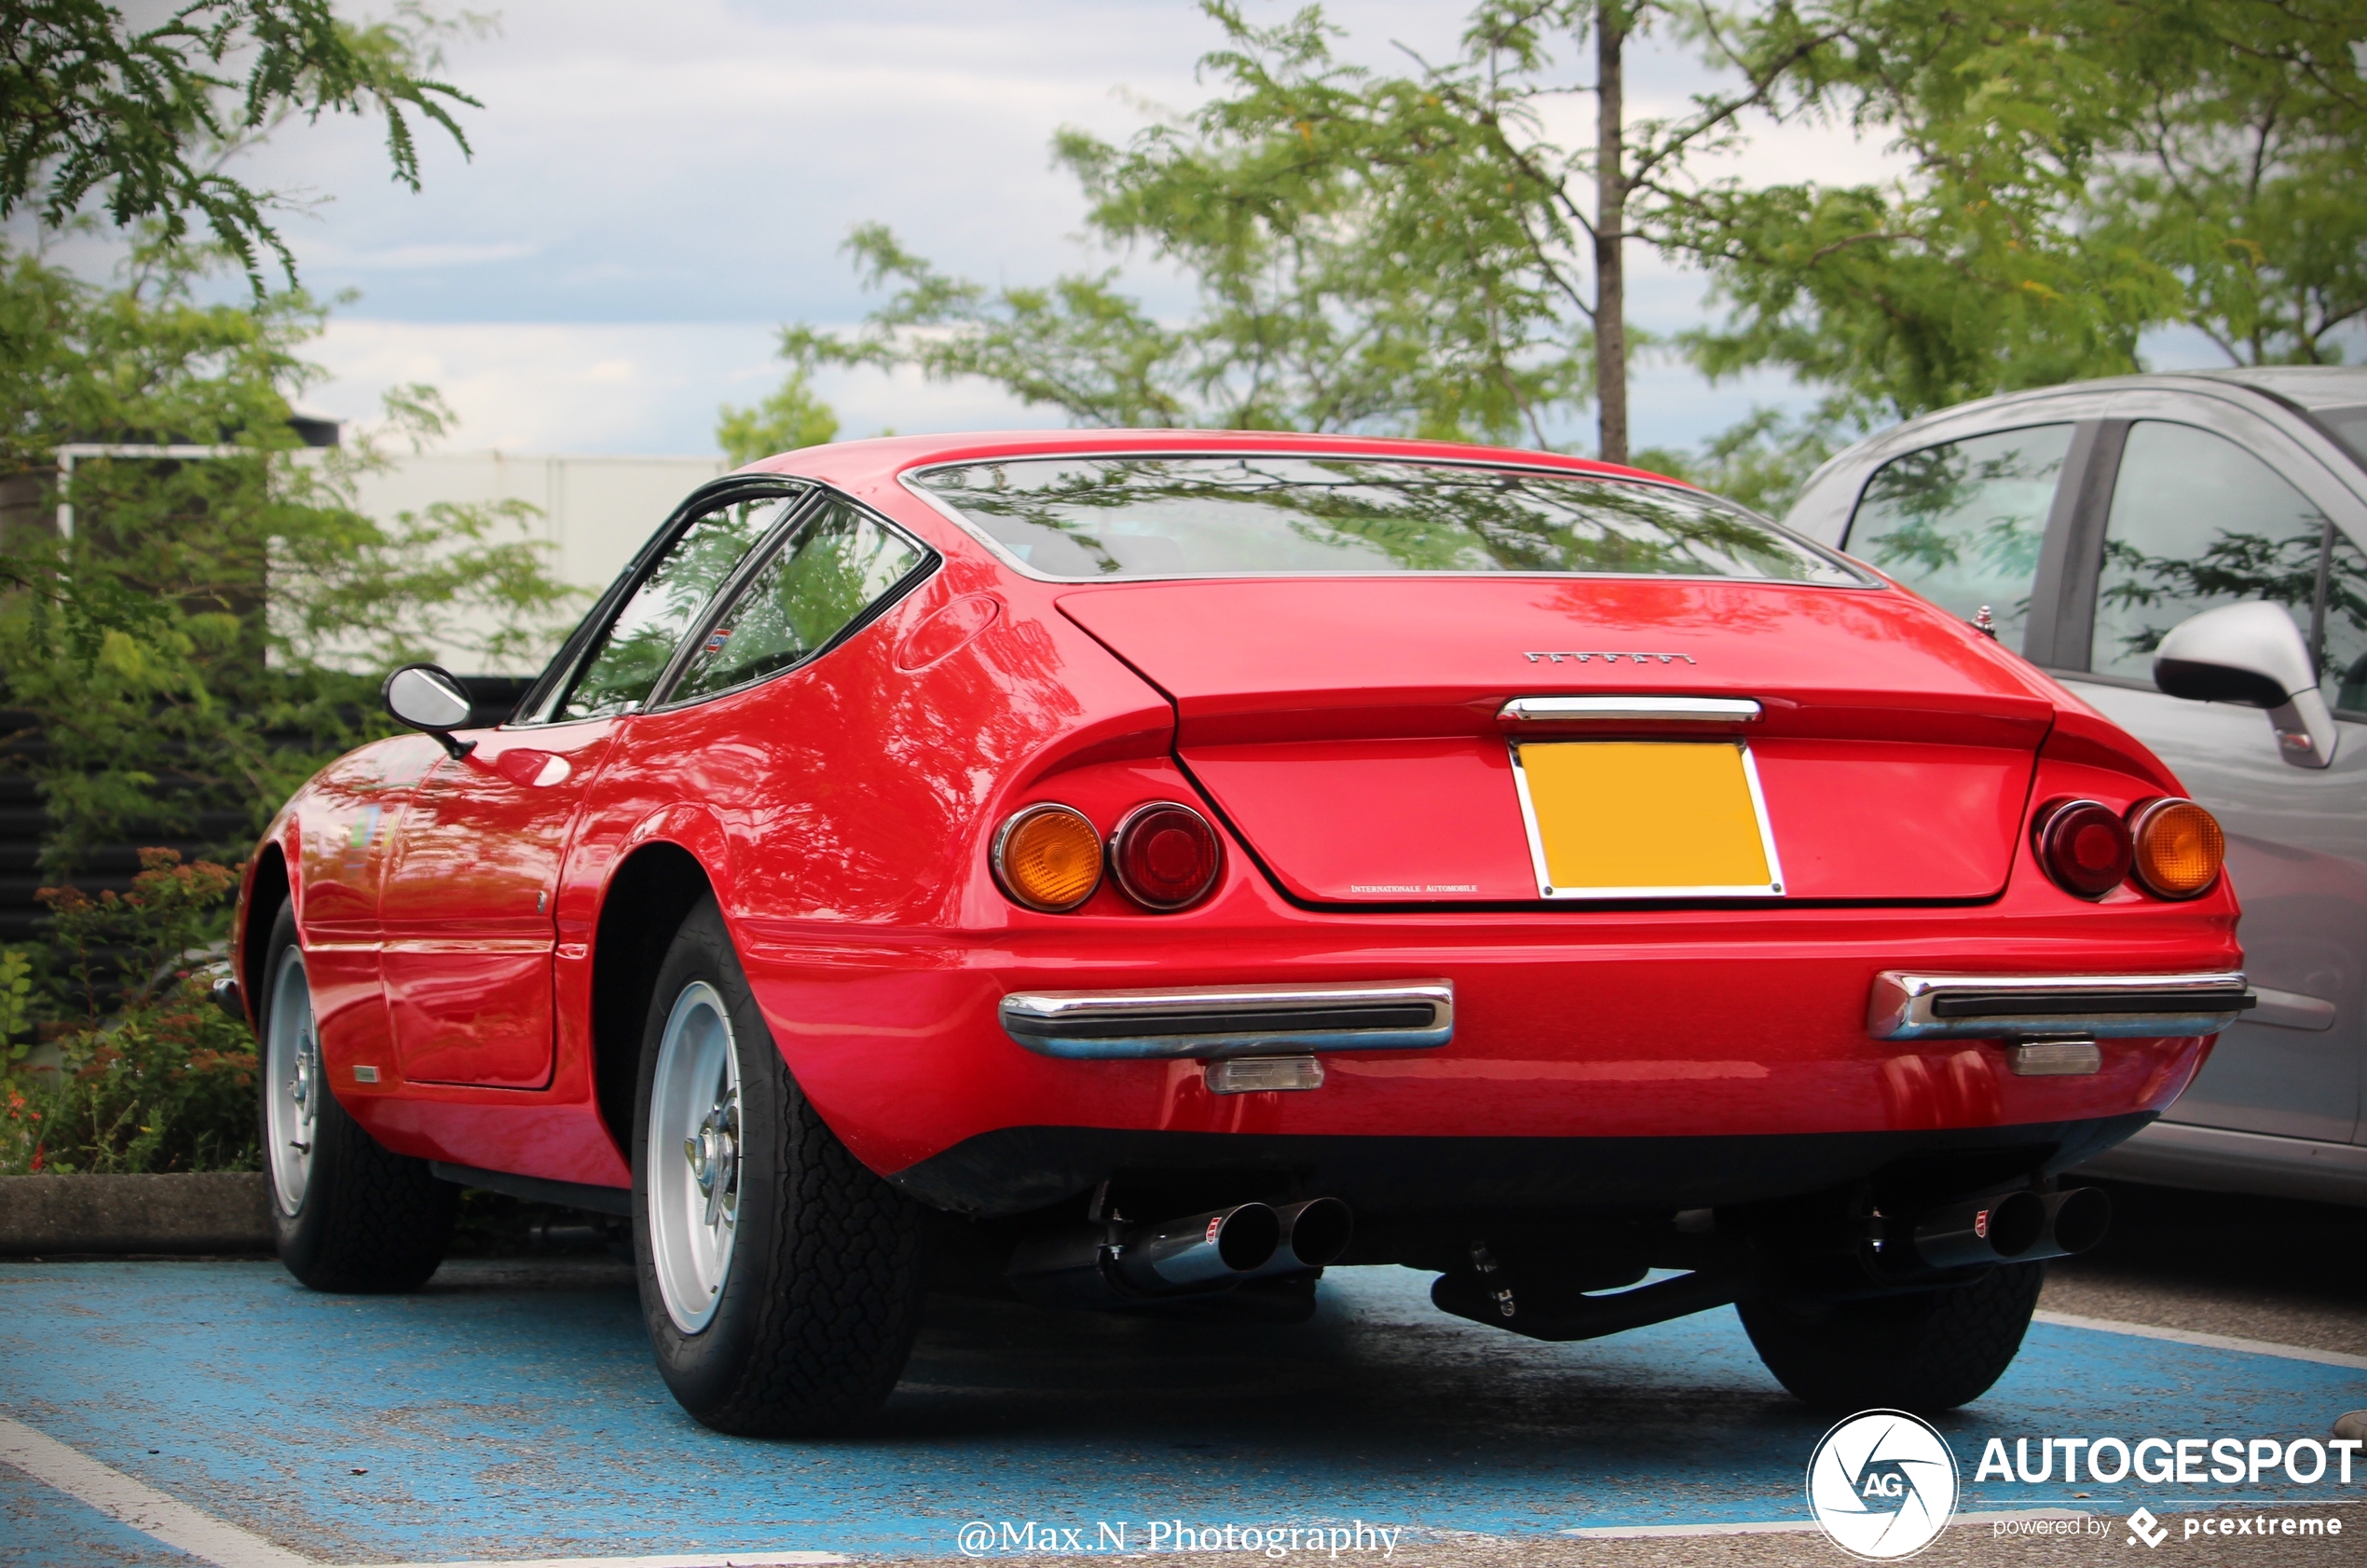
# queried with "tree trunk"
point(1610, 226)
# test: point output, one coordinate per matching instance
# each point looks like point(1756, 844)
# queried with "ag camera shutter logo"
point(1883, 1485)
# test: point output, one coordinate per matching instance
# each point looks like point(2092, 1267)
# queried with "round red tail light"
point(2085, 846)
point(1165, 857)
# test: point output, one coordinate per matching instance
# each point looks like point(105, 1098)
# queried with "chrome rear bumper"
point(1910, 1006)
point(1214, 1021)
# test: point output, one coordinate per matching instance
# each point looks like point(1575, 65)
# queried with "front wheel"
point(1928, 1352)
point(780, 1279)
point(347, 1212)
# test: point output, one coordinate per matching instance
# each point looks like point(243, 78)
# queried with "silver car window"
point(1961, 524)
point(2196, 521)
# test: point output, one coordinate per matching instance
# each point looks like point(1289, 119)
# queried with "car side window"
point(2196, 521)
point(1961, 524)
point(833, 568)
point(629, 656)
point(2344, 658)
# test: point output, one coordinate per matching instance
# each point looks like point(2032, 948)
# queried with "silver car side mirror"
point(427, 698)
point(2251, 653)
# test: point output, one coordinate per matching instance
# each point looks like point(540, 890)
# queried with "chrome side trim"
point(1597, 710)
point(1908, 1006)
point(1221, 1021)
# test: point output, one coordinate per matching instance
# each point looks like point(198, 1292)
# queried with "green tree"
point(1391, 252)
point(139, 120)
point(788, 419)
point(2080, 170)
point(208, 631)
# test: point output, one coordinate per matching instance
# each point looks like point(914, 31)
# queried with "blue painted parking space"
point(511, 1412)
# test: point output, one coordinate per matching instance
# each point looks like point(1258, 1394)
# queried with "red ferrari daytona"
point(1134, 871)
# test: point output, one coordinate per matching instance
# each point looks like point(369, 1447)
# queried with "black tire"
point(367, 1219)
point(1926, 1353)
point(821, 1296)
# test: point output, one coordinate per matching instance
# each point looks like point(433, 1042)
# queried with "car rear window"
point(1100, 517)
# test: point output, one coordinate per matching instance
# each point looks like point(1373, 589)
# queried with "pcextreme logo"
point(1883, 1485)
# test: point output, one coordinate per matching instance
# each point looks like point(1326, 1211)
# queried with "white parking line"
point(226, 1546)
point(2209, 1342)
point(710, 1560)
point(1801, 1527)
point(139, 1505)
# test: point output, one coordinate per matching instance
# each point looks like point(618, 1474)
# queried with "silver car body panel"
point(2277, 1109)
point(2221, 1160)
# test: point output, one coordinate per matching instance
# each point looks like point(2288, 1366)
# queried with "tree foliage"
point(1411, 250)
point(1400, 252)
point(2081, 171)
point(140, 118)
point(210, 630)
point(790, 418)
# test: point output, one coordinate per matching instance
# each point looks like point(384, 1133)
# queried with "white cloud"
point(650, 387)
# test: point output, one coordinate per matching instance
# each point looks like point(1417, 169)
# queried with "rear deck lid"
point(1365, 735)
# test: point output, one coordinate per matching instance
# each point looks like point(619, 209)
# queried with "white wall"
point(596, 510)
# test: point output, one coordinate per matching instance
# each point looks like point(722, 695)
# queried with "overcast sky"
point(655, 188)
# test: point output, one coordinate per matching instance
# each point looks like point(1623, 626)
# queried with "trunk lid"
point(1351, 731)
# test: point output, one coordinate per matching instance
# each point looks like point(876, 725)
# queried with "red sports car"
point(1133, 871)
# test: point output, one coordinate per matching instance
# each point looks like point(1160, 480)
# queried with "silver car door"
point(2211, 504)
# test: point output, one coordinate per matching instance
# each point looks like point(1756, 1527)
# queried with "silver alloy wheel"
point(292, 1084)
point(693, 1190)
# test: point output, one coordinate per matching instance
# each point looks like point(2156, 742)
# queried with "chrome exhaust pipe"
point(1315, 1235)
point(2076, 1219)
point(1088, 1268)
point(1984, 1231)
point(2016, 1228)
point(1221, 1246)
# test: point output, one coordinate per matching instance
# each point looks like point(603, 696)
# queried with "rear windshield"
point(1092, 517)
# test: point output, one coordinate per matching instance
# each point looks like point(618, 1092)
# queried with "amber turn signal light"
point(1047, 857)
point(2084, 845)
point(2179, 847)
point(1165, 857)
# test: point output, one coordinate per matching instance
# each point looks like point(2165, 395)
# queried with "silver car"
point(2185, 552)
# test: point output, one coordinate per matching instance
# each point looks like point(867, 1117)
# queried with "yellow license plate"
point(1646, 819)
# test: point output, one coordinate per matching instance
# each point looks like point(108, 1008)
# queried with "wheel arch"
point(647, 899)
point(268, 890)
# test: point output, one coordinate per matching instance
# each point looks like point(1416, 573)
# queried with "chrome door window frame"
point(559, 676)
point(727, 598)
point(2039, 627)
point(2080, 550)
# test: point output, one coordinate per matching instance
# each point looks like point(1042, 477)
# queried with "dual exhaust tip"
point(1200, 1254)
point(2017, 1228)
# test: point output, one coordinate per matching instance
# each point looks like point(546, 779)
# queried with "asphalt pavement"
point(511, 1412)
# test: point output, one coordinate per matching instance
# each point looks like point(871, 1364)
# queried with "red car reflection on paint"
point(1134, 871)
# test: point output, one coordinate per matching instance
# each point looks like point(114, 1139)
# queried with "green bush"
point(142, 1073)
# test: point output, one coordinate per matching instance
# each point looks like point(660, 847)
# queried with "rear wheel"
point(1926, 1353)
point(347, 1213)
point(780, 1279)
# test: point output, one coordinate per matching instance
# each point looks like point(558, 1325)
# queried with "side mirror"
point(426, 697)
point(2251, 654)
